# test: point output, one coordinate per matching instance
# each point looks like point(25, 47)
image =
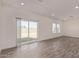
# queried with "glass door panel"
point(24, 30)
point(18, 29)
point(33, 29)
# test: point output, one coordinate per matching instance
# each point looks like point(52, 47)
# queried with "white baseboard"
point(39, 40)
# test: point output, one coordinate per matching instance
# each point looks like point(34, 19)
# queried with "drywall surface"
point(71, 27)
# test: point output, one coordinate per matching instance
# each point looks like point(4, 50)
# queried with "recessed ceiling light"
point(40, 0)
point(76, 4)
point(76, 7)
point(53, 15)
point(22, 4)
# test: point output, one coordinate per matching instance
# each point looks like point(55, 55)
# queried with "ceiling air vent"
point(40, 0)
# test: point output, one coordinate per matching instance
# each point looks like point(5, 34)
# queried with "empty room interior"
point(39, 28)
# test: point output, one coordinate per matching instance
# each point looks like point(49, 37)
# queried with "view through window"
point(27, 30)
point(56, 28)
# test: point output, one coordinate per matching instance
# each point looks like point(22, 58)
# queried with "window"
point(58, 28)
point(55, 28)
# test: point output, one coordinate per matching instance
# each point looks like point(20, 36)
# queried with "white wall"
point(0, 25)
point(0, 28)
point(71, 27)
point(9, 25)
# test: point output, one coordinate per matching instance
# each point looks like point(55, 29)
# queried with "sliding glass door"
point(26, 30)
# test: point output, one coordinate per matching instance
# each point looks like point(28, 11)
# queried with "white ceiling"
point(61, 8)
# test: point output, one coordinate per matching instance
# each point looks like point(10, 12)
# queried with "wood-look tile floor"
point(63, 47)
